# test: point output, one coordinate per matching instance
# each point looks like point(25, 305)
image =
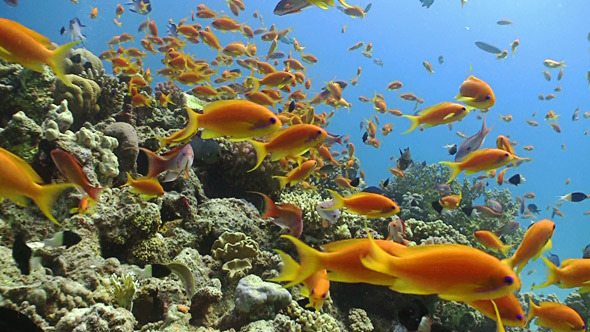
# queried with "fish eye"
point(506, 155)
point(519, 317)
point(488, 97)
point(509, 280)
point(312, 291)
point(273, 120)
point(324, 295)
point(319, 132)
point(553, 226)
point(463, 108)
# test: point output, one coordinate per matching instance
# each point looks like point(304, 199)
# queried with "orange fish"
point(500, 178)
point(451, 202)
point(285, 215)
point(454, 272)
point(509, 307)
point(147, 188)
point(94, 12)
point(18, 180)
point(537, 239)
point(71, 169)
point(236, 119)
point(292, 141)
point(491, 241)
point(503, 143)
point(316, 287)
point(342, 259)
point(367, 204)
point(476, 93)
point(298, 174)
point(574, 272)
point(119, 10)
point(29, 48)
point(556, 316)
point(481, 160)
point(436, 115)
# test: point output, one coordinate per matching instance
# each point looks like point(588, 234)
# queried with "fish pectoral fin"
point(547, 247)
point(469, 172)
point(449, 116)
point(304, 291)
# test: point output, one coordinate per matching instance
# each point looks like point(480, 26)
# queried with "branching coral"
point(123, 290)
point(112, 91)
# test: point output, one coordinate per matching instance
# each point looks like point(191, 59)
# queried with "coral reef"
point(358, 321)
point(82, 96)
point(80, 60)
point(112, 91)
point(260, 299)
point(21, 136)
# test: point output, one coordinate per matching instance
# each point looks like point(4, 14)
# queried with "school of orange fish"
point(296, 138)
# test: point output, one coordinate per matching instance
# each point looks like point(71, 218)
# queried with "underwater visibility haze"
point(294, 165)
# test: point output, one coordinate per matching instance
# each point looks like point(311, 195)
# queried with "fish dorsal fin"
point(547, 247)
point(567, 262)
point(23, 165)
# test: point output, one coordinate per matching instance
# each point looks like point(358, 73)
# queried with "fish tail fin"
point(532, 312)
point(509, 261)
point(551, 274)
point(154, 163)
point(338, 200)
point(506, 248)
point(377, 259)
point(93, 192)
point(56, 61)
point(129, 180)
point(309, 260)
point(261, 153)
point(268, 208)
point(283, 180)
point(290, 268)
point(414, 123)
point(47, 195)
point(454, 168)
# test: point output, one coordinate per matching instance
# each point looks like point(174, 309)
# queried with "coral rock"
point(257, 298)
point(81, 96)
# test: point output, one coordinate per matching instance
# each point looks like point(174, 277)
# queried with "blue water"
point(403, 35)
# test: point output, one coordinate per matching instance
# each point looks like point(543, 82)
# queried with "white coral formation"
point(311, 321)
point(104, 145)
point(433, 232)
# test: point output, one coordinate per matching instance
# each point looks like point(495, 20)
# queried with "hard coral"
point(112, 91)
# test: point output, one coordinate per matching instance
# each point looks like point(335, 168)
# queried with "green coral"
point(21, 137)
point(82, 97)
point(123, 290)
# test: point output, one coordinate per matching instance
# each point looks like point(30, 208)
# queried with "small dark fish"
point(22, 253)
point(206, 151)
point(368, 7)
point(365, 136)
point(287, 40)
point(576, 115)
point(159, 271)
point(285, 7)
point(508, 228)
point(11, 3)
point(373, 189)
point(62, 30)
point(468, 210)
point(410, 313)
point(65, 238)
point(441, 59)
point(172, 29)
point(534, 209)
point(516, 179)
point(553, 258)
point(236, 71)
point(291, 106)
point(504, 21)
point(355, 182)
point(427, 3)
point(574, 197)
point(487, 47)
point(405, 159)
point(442, 188)
point(277, 55)
point(15, 321)
point(451, 149)
point(586, 252)
point(437, 207)
point(385, 183)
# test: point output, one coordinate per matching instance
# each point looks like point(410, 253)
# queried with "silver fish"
point(487, 47)
point(494, 205)
point(472, 143)
point(330, 216)
point(75, 30)
point(427, 3)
